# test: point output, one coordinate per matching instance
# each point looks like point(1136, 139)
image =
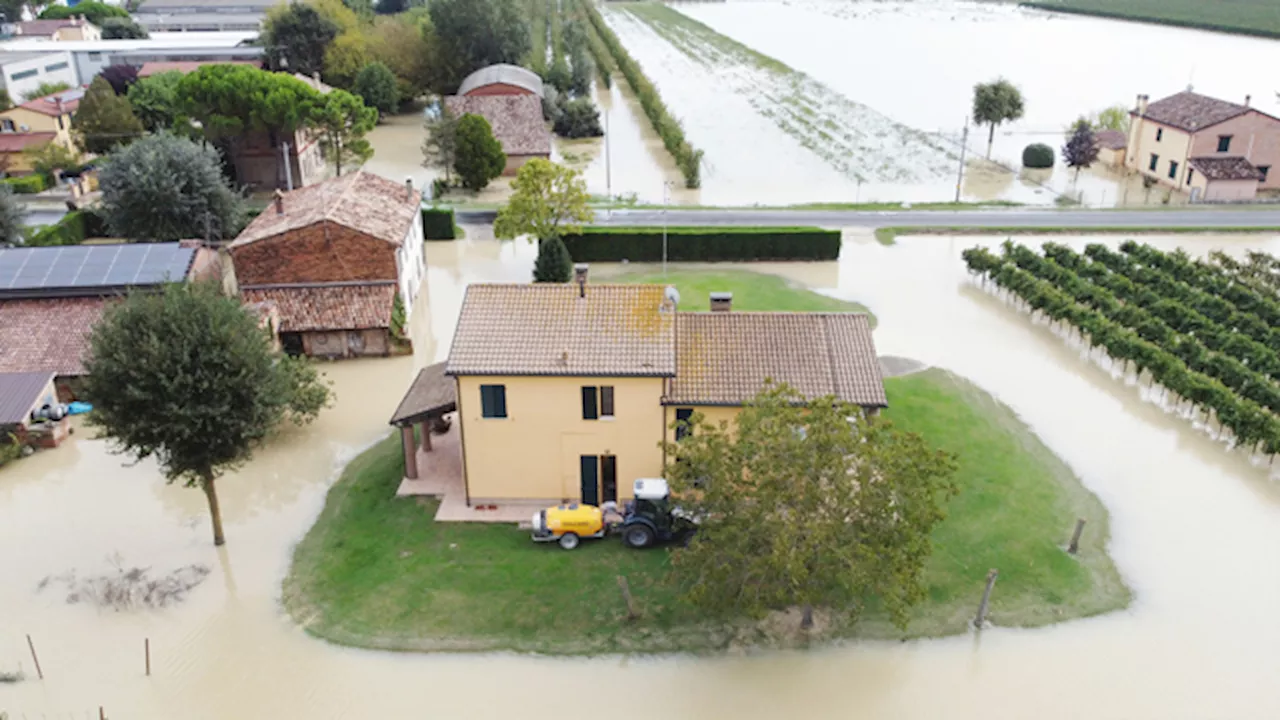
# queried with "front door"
point(590, 472)
point(609, 478)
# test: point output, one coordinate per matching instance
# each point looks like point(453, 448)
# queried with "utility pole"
point(666, 187)
point(964, 145)
point(288, 169)
point(608, 171)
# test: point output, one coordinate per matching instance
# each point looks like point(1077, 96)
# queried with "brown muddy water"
point(1195, 532)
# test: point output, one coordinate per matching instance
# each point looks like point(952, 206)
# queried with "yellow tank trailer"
point(567, 524)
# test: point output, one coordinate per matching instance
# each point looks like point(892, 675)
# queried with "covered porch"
point(431, 440)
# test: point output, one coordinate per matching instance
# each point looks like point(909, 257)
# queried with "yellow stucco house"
point(566, 392)
point(36, 123)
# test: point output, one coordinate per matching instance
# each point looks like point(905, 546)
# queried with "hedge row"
point(438, 224)
point(72, 229)
point(668, 128)
point(604, 61)
point(26, 184)
point(703, 244)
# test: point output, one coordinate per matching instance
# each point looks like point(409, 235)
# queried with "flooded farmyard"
point(1193, 528)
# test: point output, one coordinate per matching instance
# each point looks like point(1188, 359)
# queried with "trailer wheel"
point(637, 536)
point(568, 541)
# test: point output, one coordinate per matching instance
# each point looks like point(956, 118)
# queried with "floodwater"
point(1195, 530)
point(916, 63)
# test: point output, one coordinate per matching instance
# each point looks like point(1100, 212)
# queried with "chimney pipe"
point(279, 202)
point(721, 301)
point(408, 188)
point(580, 277)
point(1247, 98)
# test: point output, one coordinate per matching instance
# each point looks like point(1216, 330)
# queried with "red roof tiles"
point(328, 307)
point(49, 335)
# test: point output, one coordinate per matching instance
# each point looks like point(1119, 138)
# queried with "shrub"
point(578, 118)
point(703, 244)
point(72, 229)
point(437, 224)
point(1037, 155)
point(376, 85)
point(479, 154)
point(554, 265)
point(27, 184)
point(559, 76)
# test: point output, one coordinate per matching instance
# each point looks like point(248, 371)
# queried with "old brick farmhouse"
point(333, 258)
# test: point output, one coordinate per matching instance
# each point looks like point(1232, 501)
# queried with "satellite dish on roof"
point(672, 295)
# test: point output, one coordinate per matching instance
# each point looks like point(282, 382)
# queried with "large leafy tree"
point(186, 377)
point(13, 215)
point(345, 56)
point(376, 84)
point(296, 37)
point(1081, 149)
point(118, 28)
point(478, 156)
point(994, 103)
point(155, 101)
point(104, 119)
point(807, 504)
point(549, 201)
point(405, 44)
point(343, 119)
point(472, 34)
point(164, 188)
point(440, 147)
point(92, 10)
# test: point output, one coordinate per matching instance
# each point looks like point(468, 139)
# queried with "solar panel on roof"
point(82, 269)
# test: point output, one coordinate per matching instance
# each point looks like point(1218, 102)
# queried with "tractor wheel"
point(568, 541)
point(637, 536)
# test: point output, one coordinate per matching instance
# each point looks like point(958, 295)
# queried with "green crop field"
point(1249, 17)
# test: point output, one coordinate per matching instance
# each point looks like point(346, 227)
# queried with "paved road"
point(1016, 217)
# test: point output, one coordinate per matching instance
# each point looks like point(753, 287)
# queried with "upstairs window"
point(493, 401)
point(597, 402)
point(1264, 169)
point(1159, 134)
point(1173, 170)
point(1224, 143)
point(1155, 160)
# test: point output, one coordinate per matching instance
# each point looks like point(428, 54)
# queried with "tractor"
point(650, 518)
point(647, 520)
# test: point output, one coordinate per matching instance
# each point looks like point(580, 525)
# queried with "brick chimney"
point(1142, 104)
point(580, 277)
point(721, 301)
point(408, 188)
point(279, 202)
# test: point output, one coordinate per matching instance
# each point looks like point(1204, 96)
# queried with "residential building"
point(21, 72)
point(49, 114)
point(501, 80)
point(333, 257)
point(72, 28)
point(50, 297)
point(1111, 145)
point(87, 58)
point(13, 151)
point(1170, 138)
point(566, 392)
point(28, 410)
point(202, 15)
point(516, 121)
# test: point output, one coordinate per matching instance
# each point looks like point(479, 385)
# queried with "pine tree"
point(105, 119)
point(553, 264)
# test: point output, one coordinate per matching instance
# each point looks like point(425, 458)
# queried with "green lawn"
point(1249, 17)
point(376, 571)
point(751, 291)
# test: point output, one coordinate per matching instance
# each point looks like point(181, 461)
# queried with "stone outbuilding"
point(333, 258)
point(516, 121)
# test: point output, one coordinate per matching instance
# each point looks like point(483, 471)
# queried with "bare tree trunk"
point(991, 139)
point(215, 514)
point(806, 620)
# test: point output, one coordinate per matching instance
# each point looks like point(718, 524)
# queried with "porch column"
point(410, 452)
point(425, 425)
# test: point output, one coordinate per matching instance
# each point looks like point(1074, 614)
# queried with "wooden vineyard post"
point(146, 648)
point(986, 598)
point(35, 658)
point(632, 614)
point(1075, 537)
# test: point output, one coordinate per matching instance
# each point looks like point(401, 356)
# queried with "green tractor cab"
point(651, 518)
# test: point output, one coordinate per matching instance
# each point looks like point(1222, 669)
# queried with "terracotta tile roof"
point(47, 335)
point(185, 66)
point(547, 329)
point(361, 201)
point(19, 392)
point(1111, 139)
point(431, 392)
point(17, 142)
point(1225, 168)
point(516, 120)
point(328, 307)
point(724, 358)
point(1191, 111)
point(48, 105)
